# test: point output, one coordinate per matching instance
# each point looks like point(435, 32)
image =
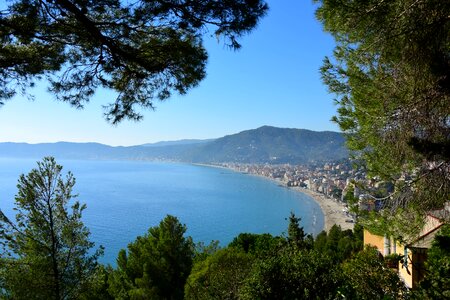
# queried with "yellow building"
point(411, 267)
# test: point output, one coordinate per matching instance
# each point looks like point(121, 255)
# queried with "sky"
point(273, 80)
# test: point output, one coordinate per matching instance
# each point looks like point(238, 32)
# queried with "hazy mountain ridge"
point(177, 143)
point(262, 145)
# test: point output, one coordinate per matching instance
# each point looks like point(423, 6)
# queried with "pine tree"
point(46, 251)
point(142, 50)
point(391, 75)
point(156, 265)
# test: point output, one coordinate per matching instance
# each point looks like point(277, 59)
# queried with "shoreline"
point(332, 210)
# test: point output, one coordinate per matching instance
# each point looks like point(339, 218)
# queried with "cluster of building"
point(331, 179)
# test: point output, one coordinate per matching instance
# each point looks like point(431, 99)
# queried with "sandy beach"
point(333, 211)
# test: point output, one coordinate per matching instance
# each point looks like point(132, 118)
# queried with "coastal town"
point(330, 184)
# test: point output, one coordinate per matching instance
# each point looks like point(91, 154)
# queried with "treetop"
point(144, 51)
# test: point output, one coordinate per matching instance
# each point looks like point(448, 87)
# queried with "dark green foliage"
point(220, 276)
point(436, 284)
point(98, 290)
point(391, 75)
point(203, 251)
point(46, 252)
point(297, 236)
point(339, 245)
point(320, 243)
point(292, 274)
point(273, 267)
point(143, 50)
point(358, 233)
point(258, 245)
point(366, 276)
point(156, 265)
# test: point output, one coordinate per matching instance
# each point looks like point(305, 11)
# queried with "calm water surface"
point(125, 198)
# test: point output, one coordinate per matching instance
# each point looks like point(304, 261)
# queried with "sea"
point(125, 198)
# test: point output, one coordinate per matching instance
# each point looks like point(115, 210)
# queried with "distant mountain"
point(274, 145)
point(263, 145)
point(93, 151)
point(60, 149)
point(177, 143)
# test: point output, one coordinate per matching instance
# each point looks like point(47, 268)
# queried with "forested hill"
point(263, 145)
point(274, 145)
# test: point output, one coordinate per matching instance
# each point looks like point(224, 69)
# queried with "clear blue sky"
point(273, 80)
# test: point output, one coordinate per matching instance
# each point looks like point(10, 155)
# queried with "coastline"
point(333, 211)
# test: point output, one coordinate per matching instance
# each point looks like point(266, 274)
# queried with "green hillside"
point(274, 145)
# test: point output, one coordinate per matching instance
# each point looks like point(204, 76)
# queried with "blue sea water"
point(125, 198)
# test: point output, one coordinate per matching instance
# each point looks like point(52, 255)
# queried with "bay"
point(125, 198)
